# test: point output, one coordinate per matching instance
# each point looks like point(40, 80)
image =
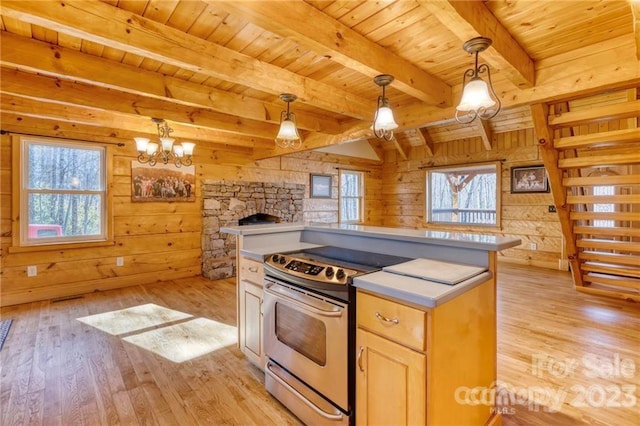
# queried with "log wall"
point(524, 216)
point(158, 241)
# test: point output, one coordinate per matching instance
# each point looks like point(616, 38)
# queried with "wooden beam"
point(539, 114)
point(74, 65)
point(423, 135)
point(104, 24)
point(635, 11)
point(49, 89)
point(375, 145)
point(602, 180)
point(331, 38)
point(486, 134)
point(114, 120)
point(468, 19)
point(399, 147)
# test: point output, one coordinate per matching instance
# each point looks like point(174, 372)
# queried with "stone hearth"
point(225, 202)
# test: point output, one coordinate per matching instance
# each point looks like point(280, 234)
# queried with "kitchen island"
point(420, 344)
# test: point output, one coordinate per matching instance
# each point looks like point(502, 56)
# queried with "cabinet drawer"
point(251, 270)
point(393, 320)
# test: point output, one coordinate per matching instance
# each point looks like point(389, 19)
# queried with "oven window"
point(302, 333)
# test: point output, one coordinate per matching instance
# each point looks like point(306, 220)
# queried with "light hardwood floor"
point(59, 371)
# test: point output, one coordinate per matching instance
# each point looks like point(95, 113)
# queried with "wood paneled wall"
point(158, 241)
point(524, 216)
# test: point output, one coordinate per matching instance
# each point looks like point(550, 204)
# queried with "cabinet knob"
point(385, 319)
point(253, 269)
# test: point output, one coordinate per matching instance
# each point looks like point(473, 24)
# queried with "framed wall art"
point(320, 186)
point(530, 179)
point(162, 182)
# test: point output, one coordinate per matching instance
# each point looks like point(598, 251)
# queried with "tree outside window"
point(63, 195)
point(351, 197)
point(464, 195)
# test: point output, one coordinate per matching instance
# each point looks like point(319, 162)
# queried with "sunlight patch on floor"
point(132, 319)
point(187, 340)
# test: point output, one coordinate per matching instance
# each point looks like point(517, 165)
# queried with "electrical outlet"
point(119, 261)
point(533, 246)
point(552, 209)
point(32, 271)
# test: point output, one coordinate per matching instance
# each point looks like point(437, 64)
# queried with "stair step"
point(604, 216)
point(611, 292)
point(599, 160)
point(610, 138)
point(606, 257)
point(603, 113)
point(617, 231)
point(609, 244)
point(617, 270)
point(613, 280)
point(601, 180)
point(604, 199)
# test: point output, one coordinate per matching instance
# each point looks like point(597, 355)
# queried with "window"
point(351, 197)
point(62, 192)
point(464, 195)
point(604, 208)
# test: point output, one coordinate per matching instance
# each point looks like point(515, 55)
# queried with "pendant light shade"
point(478, 99)
point(383, 121)
point(288, 136)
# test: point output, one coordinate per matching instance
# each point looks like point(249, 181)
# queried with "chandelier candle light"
point(383, 121)
point(288, 136)
point(165, 151)
point(478, 98)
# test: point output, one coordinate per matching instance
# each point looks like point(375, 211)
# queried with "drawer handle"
point(253, 269)
point(385, 319)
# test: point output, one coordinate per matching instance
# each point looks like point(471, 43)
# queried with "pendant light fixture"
point(288, 136)
point(165, 151)
point(383, 121)
point(478, 99)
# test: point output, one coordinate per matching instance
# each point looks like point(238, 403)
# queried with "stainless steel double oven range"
point(309, 329)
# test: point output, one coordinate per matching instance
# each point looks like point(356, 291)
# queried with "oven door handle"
point(302, 398)
point(284, 294)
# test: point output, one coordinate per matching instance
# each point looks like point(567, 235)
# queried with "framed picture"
point(162, 182)
point(320, 186)
point(529, 179)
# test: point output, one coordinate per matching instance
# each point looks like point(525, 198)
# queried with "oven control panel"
point(310, 269)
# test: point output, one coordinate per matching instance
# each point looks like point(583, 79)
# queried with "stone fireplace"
point(226, 202)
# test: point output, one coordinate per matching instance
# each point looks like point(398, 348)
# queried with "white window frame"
point(24, 191)
point(428, 208)
point(359, 197)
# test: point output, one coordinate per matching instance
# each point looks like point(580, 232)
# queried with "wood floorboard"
point(56, 370)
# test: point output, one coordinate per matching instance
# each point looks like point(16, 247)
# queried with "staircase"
point(591, 151)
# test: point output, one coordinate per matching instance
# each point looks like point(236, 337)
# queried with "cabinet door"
point(251, 322)
point(390, 382)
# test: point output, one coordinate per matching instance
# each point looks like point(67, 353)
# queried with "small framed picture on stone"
point(320, 186)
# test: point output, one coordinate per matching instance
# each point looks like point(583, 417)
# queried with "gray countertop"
point(445, 238)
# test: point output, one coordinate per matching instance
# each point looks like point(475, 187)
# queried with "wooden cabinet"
point(413, 363)
point(250, 274)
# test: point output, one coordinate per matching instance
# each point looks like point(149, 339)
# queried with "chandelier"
point(165, 151)
point(288, 136)
point(478, 98)
point(383, 121)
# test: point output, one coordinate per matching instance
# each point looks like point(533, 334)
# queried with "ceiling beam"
point(35, 56)
point(115, 120)
point(471, 18)
point(50, 89)
point(107, 25)
point(396, 143)
point(486, 134)
point(635, 11)
point(331, 38)
point(425, 138)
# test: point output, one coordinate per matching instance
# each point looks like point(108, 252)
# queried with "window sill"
point(462, 227)
point(64, 246)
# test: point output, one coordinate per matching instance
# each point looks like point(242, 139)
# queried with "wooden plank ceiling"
point(214, 69)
